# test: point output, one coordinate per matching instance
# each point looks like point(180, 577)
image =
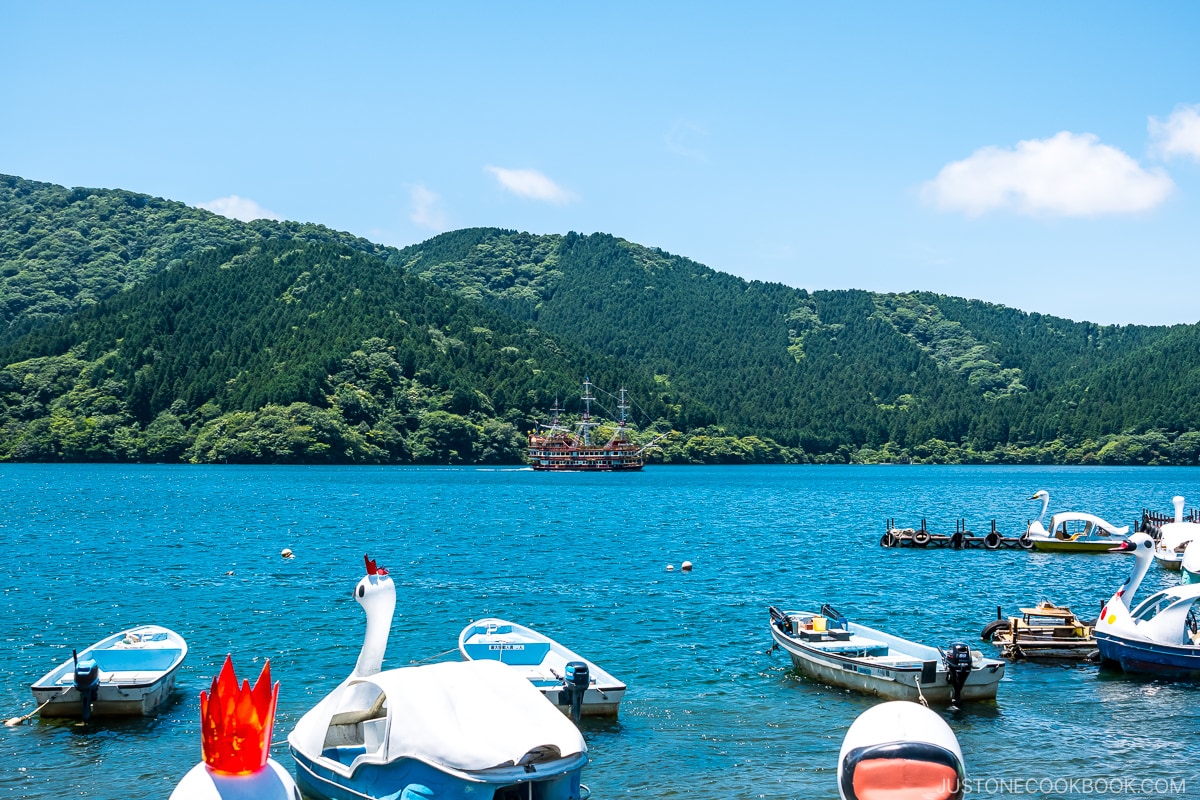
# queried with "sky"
point(1042, 156)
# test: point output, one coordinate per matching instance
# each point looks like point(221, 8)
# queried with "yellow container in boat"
point(818, 624)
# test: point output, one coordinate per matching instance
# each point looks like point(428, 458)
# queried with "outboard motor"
point(575, 685)
point(958, 667)
point(87, 681)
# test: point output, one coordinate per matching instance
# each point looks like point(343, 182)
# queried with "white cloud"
point(531, 184)
point(235, 207)
point(684, 139)
point(1067, 175)
point(427, 209)
point(1179, 135)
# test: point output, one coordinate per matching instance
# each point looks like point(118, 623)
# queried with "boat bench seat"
point(155, 660)
point(858, 646)
point(899, 661)
point(529, 652)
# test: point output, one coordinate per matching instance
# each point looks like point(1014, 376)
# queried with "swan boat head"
point(1116, 613)
point(376, 593)
point(1038, 525)
point(236, 727)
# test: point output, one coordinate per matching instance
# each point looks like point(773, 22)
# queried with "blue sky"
point(1045, 156)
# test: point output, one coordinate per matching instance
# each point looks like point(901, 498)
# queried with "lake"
point(710, 711)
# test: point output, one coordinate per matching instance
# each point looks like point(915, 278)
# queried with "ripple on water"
point(710, 712)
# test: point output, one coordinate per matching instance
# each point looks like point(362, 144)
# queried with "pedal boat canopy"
point(460, 717)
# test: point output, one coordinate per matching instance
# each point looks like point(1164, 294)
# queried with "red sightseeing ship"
point(559, 449)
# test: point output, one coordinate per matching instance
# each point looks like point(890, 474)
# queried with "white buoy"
point(686, 566)
point(670, 567)
point(287, 553)
point(898, 746)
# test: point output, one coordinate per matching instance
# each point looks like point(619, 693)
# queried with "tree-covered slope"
point(65, 249)
point(832, 369)
point(135, 327)
point(285, 350)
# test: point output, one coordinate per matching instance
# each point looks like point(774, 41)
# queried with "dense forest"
point(136, 328)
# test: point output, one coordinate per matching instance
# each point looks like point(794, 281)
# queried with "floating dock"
point(961, 539)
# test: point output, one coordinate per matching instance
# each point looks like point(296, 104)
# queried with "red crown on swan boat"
point(236, 722)
point(373, 568)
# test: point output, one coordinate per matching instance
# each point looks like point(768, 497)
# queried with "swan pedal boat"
point(1072, 531)
point(543, 662)
point(866, 660)
point(128, 674)
point(1158, 636)
point(463, 730)
point(1174, 537)
point(1076, 532)
point(1044, 631)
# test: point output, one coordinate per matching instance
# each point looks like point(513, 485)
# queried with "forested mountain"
point(850, 372)
point(65, 249)
point(138, 328)
point(284, 351)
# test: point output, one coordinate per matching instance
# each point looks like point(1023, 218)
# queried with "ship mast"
point(585, 422)
point(620, 434)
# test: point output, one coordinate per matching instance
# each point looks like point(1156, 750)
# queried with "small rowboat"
point(827, 647)
point(130, 673)
point(559, 673)
point(1044, 631)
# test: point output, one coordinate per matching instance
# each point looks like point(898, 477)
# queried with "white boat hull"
point(914, 673)
point(543, 662)
point(114, 700)
point(136, 675)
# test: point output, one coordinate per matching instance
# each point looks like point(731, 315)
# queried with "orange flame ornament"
point(236, 722)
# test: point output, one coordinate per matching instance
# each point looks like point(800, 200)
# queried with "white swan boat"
point(557, 672)
point(827, 647)
point(1161, 634)
point(468, 730)
point(1072, 531)
point(130, 673)
point(1173, 539)
point(900, 750)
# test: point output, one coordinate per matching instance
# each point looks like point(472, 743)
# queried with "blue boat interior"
point(524, 654)
point(155, 660)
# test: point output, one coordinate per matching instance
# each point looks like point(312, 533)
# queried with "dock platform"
point(961, 539)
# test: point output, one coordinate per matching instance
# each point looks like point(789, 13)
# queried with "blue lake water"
point(710, 713)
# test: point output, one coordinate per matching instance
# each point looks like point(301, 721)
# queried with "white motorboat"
point(1072, 531)
point(468, 730)
point(130, 673)
point(1174, 537)
point(577, 686)
point(900, 750)
point(828, 648)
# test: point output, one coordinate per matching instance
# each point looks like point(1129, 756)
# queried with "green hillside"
point(140, 328)
point(284, 351)
point(846, 372)
point(62, 249)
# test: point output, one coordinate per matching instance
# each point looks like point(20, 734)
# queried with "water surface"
point(710, 713)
